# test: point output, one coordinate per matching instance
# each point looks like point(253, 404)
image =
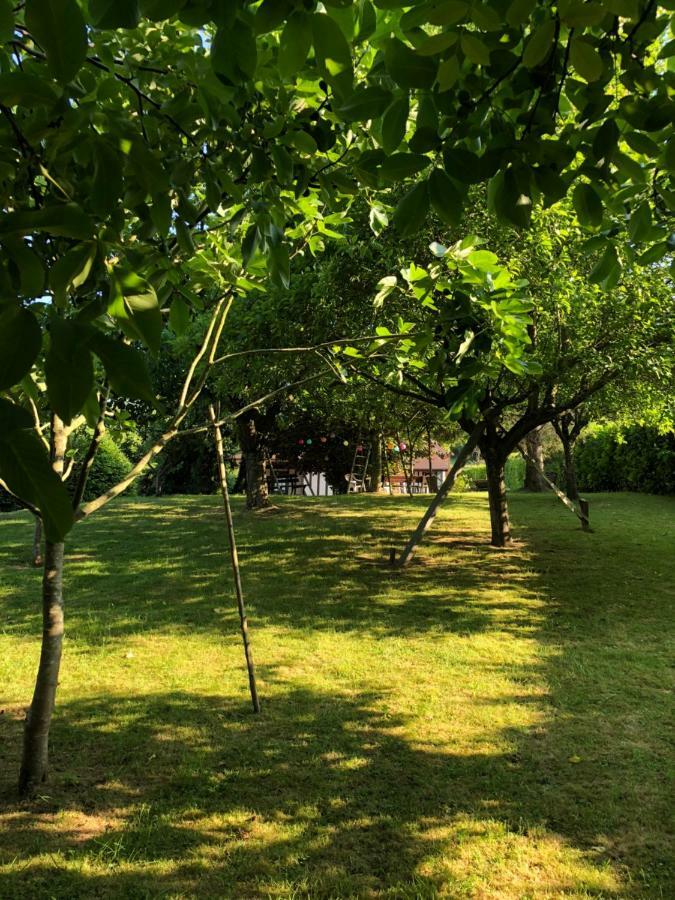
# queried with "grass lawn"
point(487, 724)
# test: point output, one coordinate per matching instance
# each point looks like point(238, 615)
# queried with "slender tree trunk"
point(571, 486)
point(375, 483)
point(35, 757)
point(257, 494)
point(38, 559)
point(535, 450)
point(499, 511)
point(234, 558)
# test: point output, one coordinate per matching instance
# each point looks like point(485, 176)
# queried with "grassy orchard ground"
point(488, 724)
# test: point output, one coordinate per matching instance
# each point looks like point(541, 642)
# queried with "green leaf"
point(22, 89)
point(606, 139)
point(108, 183)
point(234, 53)
point(20, 343)
point(69, 368)
point(394, 123)
point(12, 417)
point(411, 210)
point(519, 12)
point(448, 12)
point(156, 10)
point(114, 13)
point(364, 103)
point(6, 20)
point(588, 205)
point(539, 44)
point(509, 198)
point(445, 198)
point(475, 50)
point(578, 14)
point(283, 163)
point(294, 44)
point(407, 68)
point(27, 471)
point(586, 59)
point(640, 223)
point(71, 270)
point(402, 165)
point(59, 28)
point(605, 266)
point(63, 220)
point(125, 368)
point(377, 219)
point(179, 315)
point(333, 54)
point(29, 264)
point(133, 303)
point(280, 265)
point(448, 73)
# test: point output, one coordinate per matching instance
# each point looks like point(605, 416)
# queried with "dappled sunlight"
point(484, 724)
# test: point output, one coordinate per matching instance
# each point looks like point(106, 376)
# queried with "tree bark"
point(34, 761)
point(535, 450)
point(375, 483)
point(499, 510)
point(257, 494)
point(38, 559)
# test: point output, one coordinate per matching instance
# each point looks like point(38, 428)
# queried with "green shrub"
point(514, 472)
point(637, 459)
point(110, 465)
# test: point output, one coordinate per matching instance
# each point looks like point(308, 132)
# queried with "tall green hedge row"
point(637, 459)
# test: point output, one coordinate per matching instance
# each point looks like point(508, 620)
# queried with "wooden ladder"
point(357, 476)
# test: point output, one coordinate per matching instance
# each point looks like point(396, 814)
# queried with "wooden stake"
point(581, 513)
point(443, 491)
point(234, 559)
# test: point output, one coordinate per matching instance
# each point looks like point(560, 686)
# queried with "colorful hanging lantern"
point(346, 443)
point(395, 450)
point(301, 442)
point(323, 440)
point(309, 441)
point(403, 446)
point(359, 449)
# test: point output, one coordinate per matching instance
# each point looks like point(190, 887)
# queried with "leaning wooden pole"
point(582, 513)
point(218, 438)
point(443, 491)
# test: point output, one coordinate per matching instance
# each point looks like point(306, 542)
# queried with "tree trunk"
point(35, 757)
point(499, 511)
point(257, 494)
point(36, 730)
point(37, 543)
point(535, 449)
point(375, 483)
point(571, 486)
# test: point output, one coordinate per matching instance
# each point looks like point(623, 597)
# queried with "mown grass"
point(487, 724)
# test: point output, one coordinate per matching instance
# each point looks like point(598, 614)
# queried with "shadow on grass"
point(325, 795)
point(319, 564)
point(320, 796)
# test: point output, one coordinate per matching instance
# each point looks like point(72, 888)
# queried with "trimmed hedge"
point(514, 474)
point(637, 459)
point(110, 465)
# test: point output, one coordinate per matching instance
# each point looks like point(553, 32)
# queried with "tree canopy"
point(156, 155)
